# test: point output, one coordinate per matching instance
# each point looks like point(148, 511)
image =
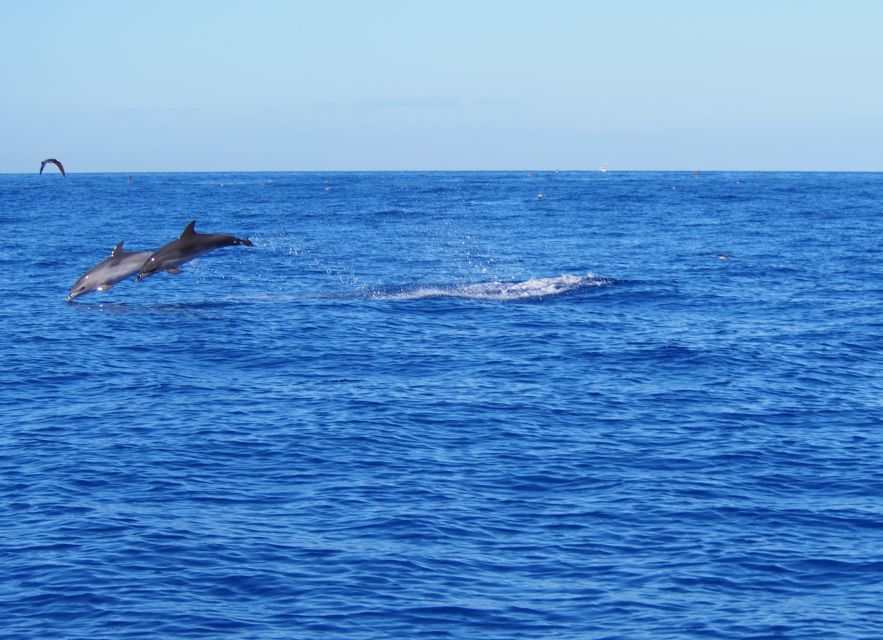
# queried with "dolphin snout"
point(76, 290)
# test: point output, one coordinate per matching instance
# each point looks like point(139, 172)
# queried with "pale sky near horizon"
point(397, 85)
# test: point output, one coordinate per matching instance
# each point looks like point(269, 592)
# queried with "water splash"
point(499, 291)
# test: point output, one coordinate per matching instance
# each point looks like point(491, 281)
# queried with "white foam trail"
point(501, 291)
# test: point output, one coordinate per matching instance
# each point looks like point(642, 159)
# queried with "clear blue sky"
point(333, 85)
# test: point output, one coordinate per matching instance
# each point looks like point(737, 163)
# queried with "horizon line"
point(529, 170)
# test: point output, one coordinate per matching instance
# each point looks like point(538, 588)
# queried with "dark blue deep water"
point(639, 405)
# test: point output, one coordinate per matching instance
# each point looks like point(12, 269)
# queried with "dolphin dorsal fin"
point(189, 230)
point(117, 250)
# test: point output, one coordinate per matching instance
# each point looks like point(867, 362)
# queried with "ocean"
point(445, 405)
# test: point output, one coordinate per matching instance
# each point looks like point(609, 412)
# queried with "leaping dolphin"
point(188, 246)
point(53, 161)
point(119, 266)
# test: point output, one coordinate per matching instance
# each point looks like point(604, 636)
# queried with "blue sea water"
point(446, 405)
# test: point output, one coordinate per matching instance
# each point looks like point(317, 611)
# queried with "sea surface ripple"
point(445, 405)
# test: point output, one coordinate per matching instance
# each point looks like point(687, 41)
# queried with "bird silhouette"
point(53, 161)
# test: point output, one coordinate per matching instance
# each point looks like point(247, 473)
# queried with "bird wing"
point(55, 162)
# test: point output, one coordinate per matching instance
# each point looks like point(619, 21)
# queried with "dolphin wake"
point(500, 291)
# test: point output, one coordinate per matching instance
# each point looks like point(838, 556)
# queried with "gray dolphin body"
point(188, 246)
point(119, 266)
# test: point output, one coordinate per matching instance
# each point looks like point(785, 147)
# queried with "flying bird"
point(53, 161)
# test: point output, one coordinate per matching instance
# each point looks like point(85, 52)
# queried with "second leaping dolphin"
point(119, 266)
point(188, 246)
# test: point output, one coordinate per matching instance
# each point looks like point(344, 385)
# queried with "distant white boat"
point(603, 168)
